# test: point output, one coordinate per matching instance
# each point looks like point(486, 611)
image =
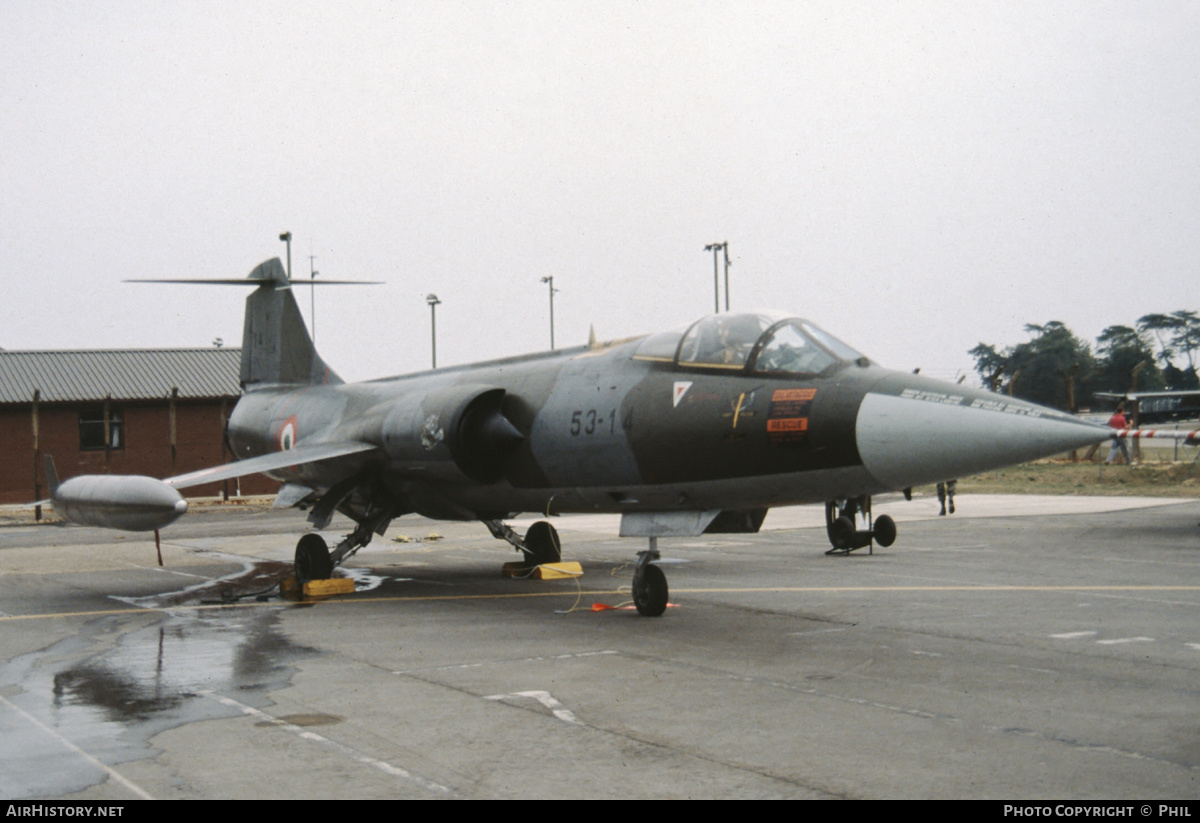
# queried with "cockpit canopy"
point(757, 342)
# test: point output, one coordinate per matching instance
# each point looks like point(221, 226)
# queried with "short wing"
point(269, 462)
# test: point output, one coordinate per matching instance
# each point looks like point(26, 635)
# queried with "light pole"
point(433, 302)
point(312, 294)
point(287, 238)
point(550, 279)
point(725, 251)
point(714, 248)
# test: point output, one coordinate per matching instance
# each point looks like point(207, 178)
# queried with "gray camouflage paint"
point(600, 430)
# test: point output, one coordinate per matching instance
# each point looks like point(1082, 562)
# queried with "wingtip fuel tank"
point(126, 502)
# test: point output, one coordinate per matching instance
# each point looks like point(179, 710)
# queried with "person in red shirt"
point(1118, 422)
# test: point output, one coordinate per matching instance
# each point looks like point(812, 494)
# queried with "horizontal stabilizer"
point(243, 281)
point(276, 346)
point(269, 462)
point(270, 272)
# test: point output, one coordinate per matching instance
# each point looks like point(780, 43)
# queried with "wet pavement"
point(98, 696)
point(1028, 655)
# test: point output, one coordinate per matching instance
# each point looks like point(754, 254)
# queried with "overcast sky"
point(915, 177)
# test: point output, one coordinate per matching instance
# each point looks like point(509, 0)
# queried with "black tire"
point(841, 534)
point(312, 559)
point(650, 591)
point(885, 530)
point(543, 544)
point(831, 514)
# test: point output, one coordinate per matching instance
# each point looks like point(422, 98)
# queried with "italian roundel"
point(287, 434)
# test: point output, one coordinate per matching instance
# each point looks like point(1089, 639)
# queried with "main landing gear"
point(846, 536)
point(313, 559)
point(542, 545)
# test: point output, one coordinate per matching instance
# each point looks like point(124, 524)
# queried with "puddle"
point(104, 693)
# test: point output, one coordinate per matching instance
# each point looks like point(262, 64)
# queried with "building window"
point(91, 429)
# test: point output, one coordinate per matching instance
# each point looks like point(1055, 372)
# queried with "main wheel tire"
point(650, 591)
point(831, 514)
point(312, 559)
point(543, 544)
point(885, 530)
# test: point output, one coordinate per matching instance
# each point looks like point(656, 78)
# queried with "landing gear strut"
point(649, 583)
point(846, 536)
point(540, 544)
point(314, 561)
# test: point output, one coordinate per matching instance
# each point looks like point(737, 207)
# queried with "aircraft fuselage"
point(602, 430)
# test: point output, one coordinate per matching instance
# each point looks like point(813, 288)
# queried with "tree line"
point(1056, 368)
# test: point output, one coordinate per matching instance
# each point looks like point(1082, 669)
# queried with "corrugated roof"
point(122, 374)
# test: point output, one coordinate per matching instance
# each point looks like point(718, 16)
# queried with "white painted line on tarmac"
point(1112, 641)
point(546, 699)
point(113, 773)
point(304, 734)
point(507, 661)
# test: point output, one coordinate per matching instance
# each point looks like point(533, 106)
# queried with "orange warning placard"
point(787, 418)
point(782, 395)
point(788, 424)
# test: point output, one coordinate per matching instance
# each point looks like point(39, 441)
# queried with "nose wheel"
point(649, 583)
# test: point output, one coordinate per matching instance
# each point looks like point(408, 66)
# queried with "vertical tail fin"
point(276, 347)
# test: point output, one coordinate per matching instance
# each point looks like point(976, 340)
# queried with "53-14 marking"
point(592, 421)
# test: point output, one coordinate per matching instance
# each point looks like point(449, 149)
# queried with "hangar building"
point(155, 412)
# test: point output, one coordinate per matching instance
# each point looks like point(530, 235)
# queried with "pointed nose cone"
point(914, 430)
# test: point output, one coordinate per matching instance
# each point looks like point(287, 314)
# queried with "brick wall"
point(147, 447)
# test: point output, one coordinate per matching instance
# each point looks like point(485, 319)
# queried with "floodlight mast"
point(312, 293)
point(432, 300)
point(714, 248)
point(550, 279)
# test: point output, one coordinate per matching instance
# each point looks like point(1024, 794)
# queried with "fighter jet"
point(697, 430)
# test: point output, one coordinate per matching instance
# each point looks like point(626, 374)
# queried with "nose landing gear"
point(649, 583)
point(846, 536)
